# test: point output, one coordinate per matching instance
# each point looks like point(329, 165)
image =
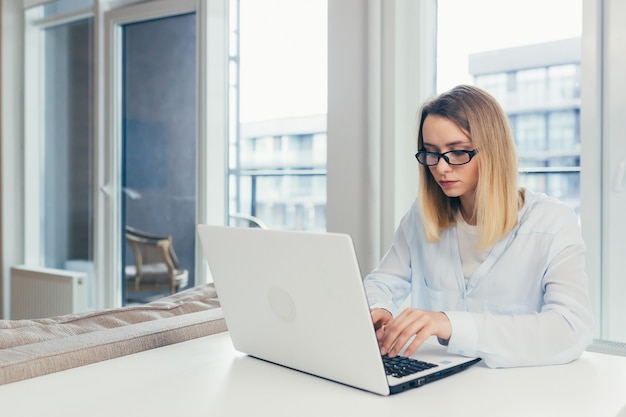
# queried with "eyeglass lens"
point(451, 157)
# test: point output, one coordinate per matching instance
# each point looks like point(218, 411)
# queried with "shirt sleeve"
point(389, 284)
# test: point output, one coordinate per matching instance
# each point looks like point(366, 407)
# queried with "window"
point(59, 137)
point(531, 86)
point(564, 82)
point(536, 75)
point(277, 170)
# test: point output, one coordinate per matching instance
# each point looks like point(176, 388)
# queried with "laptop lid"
point(297, 299)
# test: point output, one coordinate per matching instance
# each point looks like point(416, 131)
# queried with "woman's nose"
point(442, 165)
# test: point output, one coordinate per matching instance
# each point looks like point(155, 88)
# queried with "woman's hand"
point(393, 334)
point(381, 318)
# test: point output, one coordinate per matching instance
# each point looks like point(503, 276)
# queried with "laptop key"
point(400, 366)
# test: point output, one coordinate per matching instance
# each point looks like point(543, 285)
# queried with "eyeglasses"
point(460, 157)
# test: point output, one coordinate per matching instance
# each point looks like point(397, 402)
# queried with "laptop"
point(297, 299)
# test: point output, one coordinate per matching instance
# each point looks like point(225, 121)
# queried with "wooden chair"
point(156, 264)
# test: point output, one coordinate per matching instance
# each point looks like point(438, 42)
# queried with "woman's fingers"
point(410, 329)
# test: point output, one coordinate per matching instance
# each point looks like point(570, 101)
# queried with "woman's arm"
point(389, 284)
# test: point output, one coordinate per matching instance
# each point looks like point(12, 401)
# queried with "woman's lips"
point(446, 184)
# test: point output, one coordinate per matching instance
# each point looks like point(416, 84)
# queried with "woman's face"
point(442, 135)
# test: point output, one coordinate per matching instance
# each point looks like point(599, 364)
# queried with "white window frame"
point(591, 126)
point(212, 122)
point(603, 162)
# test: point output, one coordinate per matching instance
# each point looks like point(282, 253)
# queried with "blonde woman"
point(493, 270)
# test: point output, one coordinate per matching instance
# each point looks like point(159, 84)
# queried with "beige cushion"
point(37, 347)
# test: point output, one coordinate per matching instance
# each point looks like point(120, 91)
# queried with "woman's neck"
point(469, 218)
point(467, 211)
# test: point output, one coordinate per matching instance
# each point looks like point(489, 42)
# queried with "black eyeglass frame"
point(471, 154)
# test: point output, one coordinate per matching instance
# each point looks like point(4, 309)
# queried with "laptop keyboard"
point(400, 366)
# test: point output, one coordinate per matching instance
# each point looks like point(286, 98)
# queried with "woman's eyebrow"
point(450, 144)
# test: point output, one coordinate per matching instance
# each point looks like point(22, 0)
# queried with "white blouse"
point(526, 304)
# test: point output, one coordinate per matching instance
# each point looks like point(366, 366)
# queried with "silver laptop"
point(297, 299)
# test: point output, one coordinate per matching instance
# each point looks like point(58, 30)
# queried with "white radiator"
point(46, 292)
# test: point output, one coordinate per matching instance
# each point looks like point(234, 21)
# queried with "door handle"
point(106, 190)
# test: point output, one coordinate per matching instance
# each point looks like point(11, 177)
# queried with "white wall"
point(381, 67)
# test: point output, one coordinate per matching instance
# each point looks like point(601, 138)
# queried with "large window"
point(536, 75)
point(277, 152)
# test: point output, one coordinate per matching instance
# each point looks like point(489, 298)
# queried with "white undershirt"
point(470, 257)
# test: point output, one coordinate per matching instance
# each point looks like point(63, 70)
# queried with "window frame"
point(603, 162)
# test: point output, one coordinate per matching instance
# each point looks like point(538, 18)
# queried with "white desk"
point(207, 377)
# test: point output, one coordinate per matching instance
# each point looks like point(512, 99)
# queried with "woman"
point(493, 270)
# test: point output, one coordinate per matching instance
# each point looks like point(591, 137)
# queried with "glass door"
point(159, 144)
point(151, 143)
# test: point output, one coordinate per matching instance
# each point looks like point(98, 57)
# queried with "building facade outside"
point(278, 173)
point(539, 88)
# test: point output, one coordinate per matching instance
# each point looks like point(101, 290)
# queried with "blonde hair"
point(498, 200)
